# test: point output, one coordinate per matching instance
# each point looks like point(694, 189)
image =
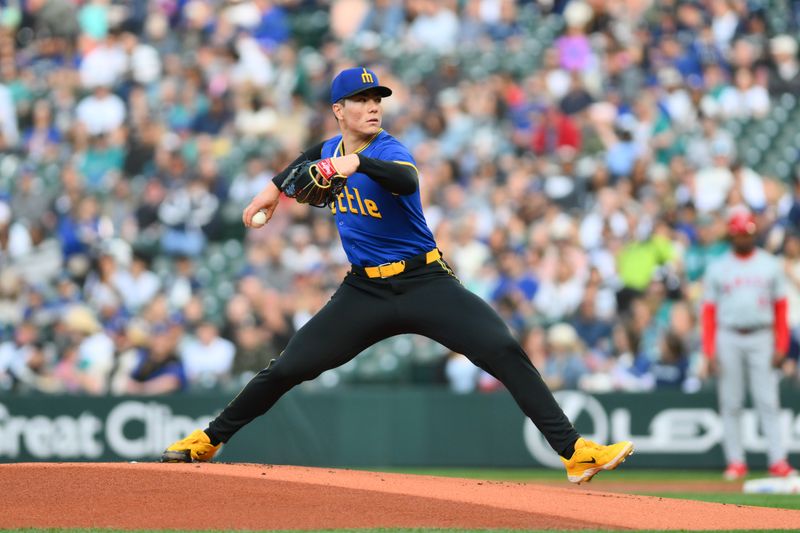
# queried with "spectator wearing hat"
point(784, 76)
point(564, 365)
point(94, 350)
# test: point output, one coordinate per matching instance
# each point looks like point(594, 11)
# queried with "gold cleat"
point(196, 447)
point(590, 458)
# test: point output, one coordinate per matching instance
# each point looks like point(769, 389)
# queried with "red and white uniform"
point(744, 325)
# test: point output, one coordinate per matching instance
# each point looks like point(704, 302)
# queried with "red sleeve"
point(709, 319)
point(781, 327)
point(570, 134)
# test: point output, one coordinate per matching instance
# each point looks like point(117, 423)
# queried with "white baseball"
point(259, 219)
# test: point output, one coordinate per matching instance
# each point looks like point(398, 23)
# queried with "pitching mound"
point(226, 496)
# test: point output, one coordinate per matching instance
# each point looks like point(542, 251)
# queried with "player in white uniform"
point(745, 338)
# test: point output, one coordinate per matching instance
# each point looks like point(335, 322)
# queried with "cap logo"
point(355, 80)
point(366, 77)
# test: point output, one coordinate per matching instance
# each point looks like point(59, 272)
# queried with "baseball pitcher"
point(398, 283)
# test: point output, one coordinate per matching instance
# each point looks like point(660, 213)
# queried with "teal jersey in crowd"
point(375, 225)
point(699, 256)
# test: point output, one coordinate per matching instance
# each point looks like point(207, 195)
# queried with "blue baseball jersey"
point(375, 225)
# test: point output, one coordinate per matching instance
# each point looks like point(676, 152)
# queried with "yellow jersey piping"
point(340, 146)
point(407, 164)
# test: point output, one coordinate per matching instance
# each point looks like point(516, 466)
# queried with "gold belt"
point(388, 270)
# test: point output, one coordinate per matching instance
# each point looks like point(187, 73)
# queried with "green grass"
point(780, 501)
point(539, 474)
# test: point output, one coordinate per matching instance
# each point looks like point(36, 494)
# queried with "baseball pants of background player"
point(748, 357)
point(428, 301)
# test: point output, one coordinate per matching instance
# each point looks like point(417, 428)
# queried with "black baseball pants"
point(428, 301)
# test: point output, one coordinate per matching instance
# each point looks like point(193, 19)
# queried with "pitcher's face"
point(361, 114)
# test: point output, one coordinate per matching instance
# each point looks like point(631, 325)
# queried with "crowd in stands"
point(577, 160)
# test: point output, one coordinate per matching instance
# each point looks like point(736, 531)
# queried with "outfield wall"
point(369, 427)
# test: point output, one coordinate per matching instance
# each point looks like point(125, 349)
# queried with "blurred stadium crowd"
point(576, 158)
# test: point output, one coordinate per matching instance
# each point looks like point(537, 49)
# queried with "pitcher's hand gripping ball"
point(259, 219)
point(316, 183)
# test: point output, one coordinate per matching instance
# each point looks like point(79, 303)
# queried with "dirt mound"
point(236, 496)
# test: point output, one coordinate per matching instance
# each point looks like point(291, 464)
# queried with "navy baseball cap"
point(353, 81)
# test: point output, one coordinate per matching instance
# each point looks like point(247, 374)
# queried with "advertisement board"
point(369, 427)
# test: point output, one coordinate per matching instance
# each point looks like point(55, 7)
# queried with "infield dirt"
point(265, 497)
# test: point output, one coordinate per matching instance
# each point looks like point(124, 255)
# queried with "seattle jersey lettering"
point(364, 207)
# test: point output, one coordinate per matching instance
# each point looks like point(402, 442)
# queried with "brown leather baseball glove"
point(316, 183)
